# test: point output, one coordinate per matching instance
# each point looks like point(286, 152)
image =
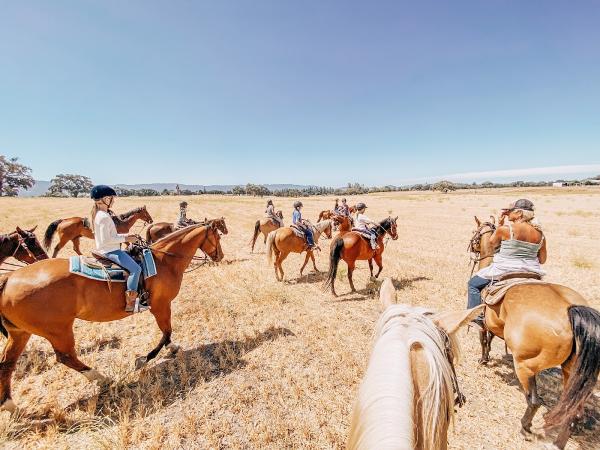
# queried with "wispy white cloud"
point(516, 174)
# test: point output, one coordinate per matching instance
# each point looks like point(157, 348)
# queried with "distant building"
point(560, 184)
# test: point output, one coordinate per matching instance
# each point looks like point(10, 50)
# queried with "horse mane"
point(383, 414)
point(176, 234)
point(128, 214)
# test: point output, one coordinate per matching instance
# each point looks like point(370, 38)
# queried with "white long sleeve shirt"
point(363, 222)
point(105, 233)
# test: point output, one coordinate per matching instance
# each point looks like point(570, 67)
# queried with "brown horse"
point(283, 241)
point(22, 245)
point(48, 305)
point(351, 246)
point(544, 326)
point(159, 230)
point(74, 228)
point(265, 226)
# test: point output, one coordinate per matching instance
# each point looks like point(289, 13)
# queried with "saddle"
point(98, 261)
point(494, 293)
point(298, 231)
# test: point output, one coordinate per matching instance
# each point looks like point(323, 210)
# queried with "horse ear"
point(477, 221)
point(19, 230)
point(396, 219)
point(451, 321)
point(387, 293)
point(32, 230)
point(493, 220)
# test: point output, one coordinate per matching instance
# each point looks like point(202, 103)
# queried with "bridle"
point(475, 243)
point(21, 243)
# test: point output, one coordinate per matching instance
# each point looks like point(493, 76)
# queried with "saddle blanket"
point(78, 266)
point(298, 232)
point(494, 293)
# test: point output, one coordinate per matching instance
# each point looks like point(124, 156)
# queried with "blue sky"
point(321, 92)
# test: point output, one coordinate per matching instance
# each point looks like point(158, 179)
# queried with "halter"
point(475, 242)
point(20, 244)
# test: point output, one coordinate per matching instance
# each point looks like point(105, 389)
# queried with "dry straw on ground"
point(277, 365)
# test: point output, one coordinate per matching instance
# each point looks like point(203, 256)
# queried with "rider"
point(522, 248)
point(302, 224)
point(337, 205)
point(183, 221)
point(270, 213)
point(366, 225)
point(108, 243)
point(343, 208)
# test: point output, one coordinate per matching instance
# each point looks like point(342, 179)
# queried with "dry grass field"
point(277, 365)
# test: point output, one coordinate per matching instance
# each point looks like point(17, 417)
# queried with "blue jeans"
point(309, 236)
point(125, 261)
point(475, 285)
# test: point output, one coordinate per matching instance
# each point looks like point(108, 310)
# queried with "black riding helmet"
point(100, 191)
point(297, 204)
point(360, 206)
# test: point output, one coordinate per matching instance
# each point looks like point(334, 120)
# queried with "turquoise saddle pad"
point(78, 266)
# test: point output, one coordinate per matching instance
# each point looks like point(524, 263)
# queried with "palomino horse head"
point(387, 394)
point(29, 249)
point(325, 227)
point(480, 242)
point(211, 245)
point(220, 224)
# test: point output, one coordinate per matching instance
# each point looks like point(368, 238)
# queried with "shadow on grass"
point(158, 385)
point(373, 286)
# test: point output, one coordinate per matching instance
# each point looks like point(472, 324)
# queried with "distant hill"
point(41, 187)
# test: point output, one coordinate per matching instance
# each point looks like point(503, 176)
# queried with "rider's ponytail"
point(93, 214)
point(529, 217)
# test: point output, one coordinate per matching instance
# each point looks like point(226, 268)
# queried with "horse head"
point(390, 226)
point(279, 214)
point(211, 245)
point(480, 241)
point(145, 215)
point(29, 249)
point(220, 224)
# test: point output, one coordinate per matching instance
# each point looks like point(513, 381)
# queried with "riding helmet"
point(183, 205)
point(360, 206)
point(269, 202)
point(297, 204)
point(101, 191)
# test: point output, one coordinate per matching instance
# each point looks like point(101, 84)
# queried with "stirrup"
point(139, 307)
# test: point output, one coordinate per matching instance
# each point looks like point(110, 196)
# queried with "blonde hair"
point(94, 210)
point(529, 217)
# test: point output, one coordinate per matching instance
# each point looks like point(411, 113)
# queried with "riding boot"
point(132, 303)
point(374, 245)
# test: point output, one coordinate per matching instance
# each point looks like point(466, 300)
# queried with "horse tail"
point(334, 258)
point(50, 233)
point(3, 280)
point(256, 231)
point(271, 246)
point(585, 322)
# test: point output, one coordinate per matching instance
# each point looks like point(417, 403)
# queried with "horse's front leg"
point(371, 267)
point(379, 261)
point(163, 320)
point(308, 252)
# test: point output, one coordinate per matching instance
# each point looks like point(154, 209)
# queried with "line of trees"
point(15, 176)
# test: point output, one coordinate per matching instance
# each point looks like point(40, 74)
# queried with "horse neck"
point(487, 252)
point(182, 247)
point(8, 246)
point(320, 227)
point(131, 219)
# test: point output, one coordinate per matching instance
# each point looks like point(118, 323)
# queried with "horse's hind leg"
point(527, 378)
point(17, 340)
point(351, 265)
point(61, 243)
point(64, 348)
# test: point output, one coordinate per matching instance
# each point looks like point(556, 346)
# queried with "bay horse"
point(351, 246)
point(265, 226)
point(283, 241)
point(74, 228)
point(544, 326)
point(45, 299)
point(159, 230)
point(22, 245)
point(406, 399)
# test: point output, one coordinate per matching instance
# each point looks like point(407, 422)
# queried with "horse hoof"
point(9, 406)
point(93, 375)
point(483, 362)
point(526, 433)
point(140, 362)
point(173, 349)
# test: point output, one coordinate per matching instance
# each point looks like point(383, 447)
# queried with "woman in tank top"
point(522, 248)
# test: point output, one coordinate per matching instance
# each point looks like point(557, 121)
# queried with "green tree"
point(444, 186)
point(14, 176)
point(69, 184)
